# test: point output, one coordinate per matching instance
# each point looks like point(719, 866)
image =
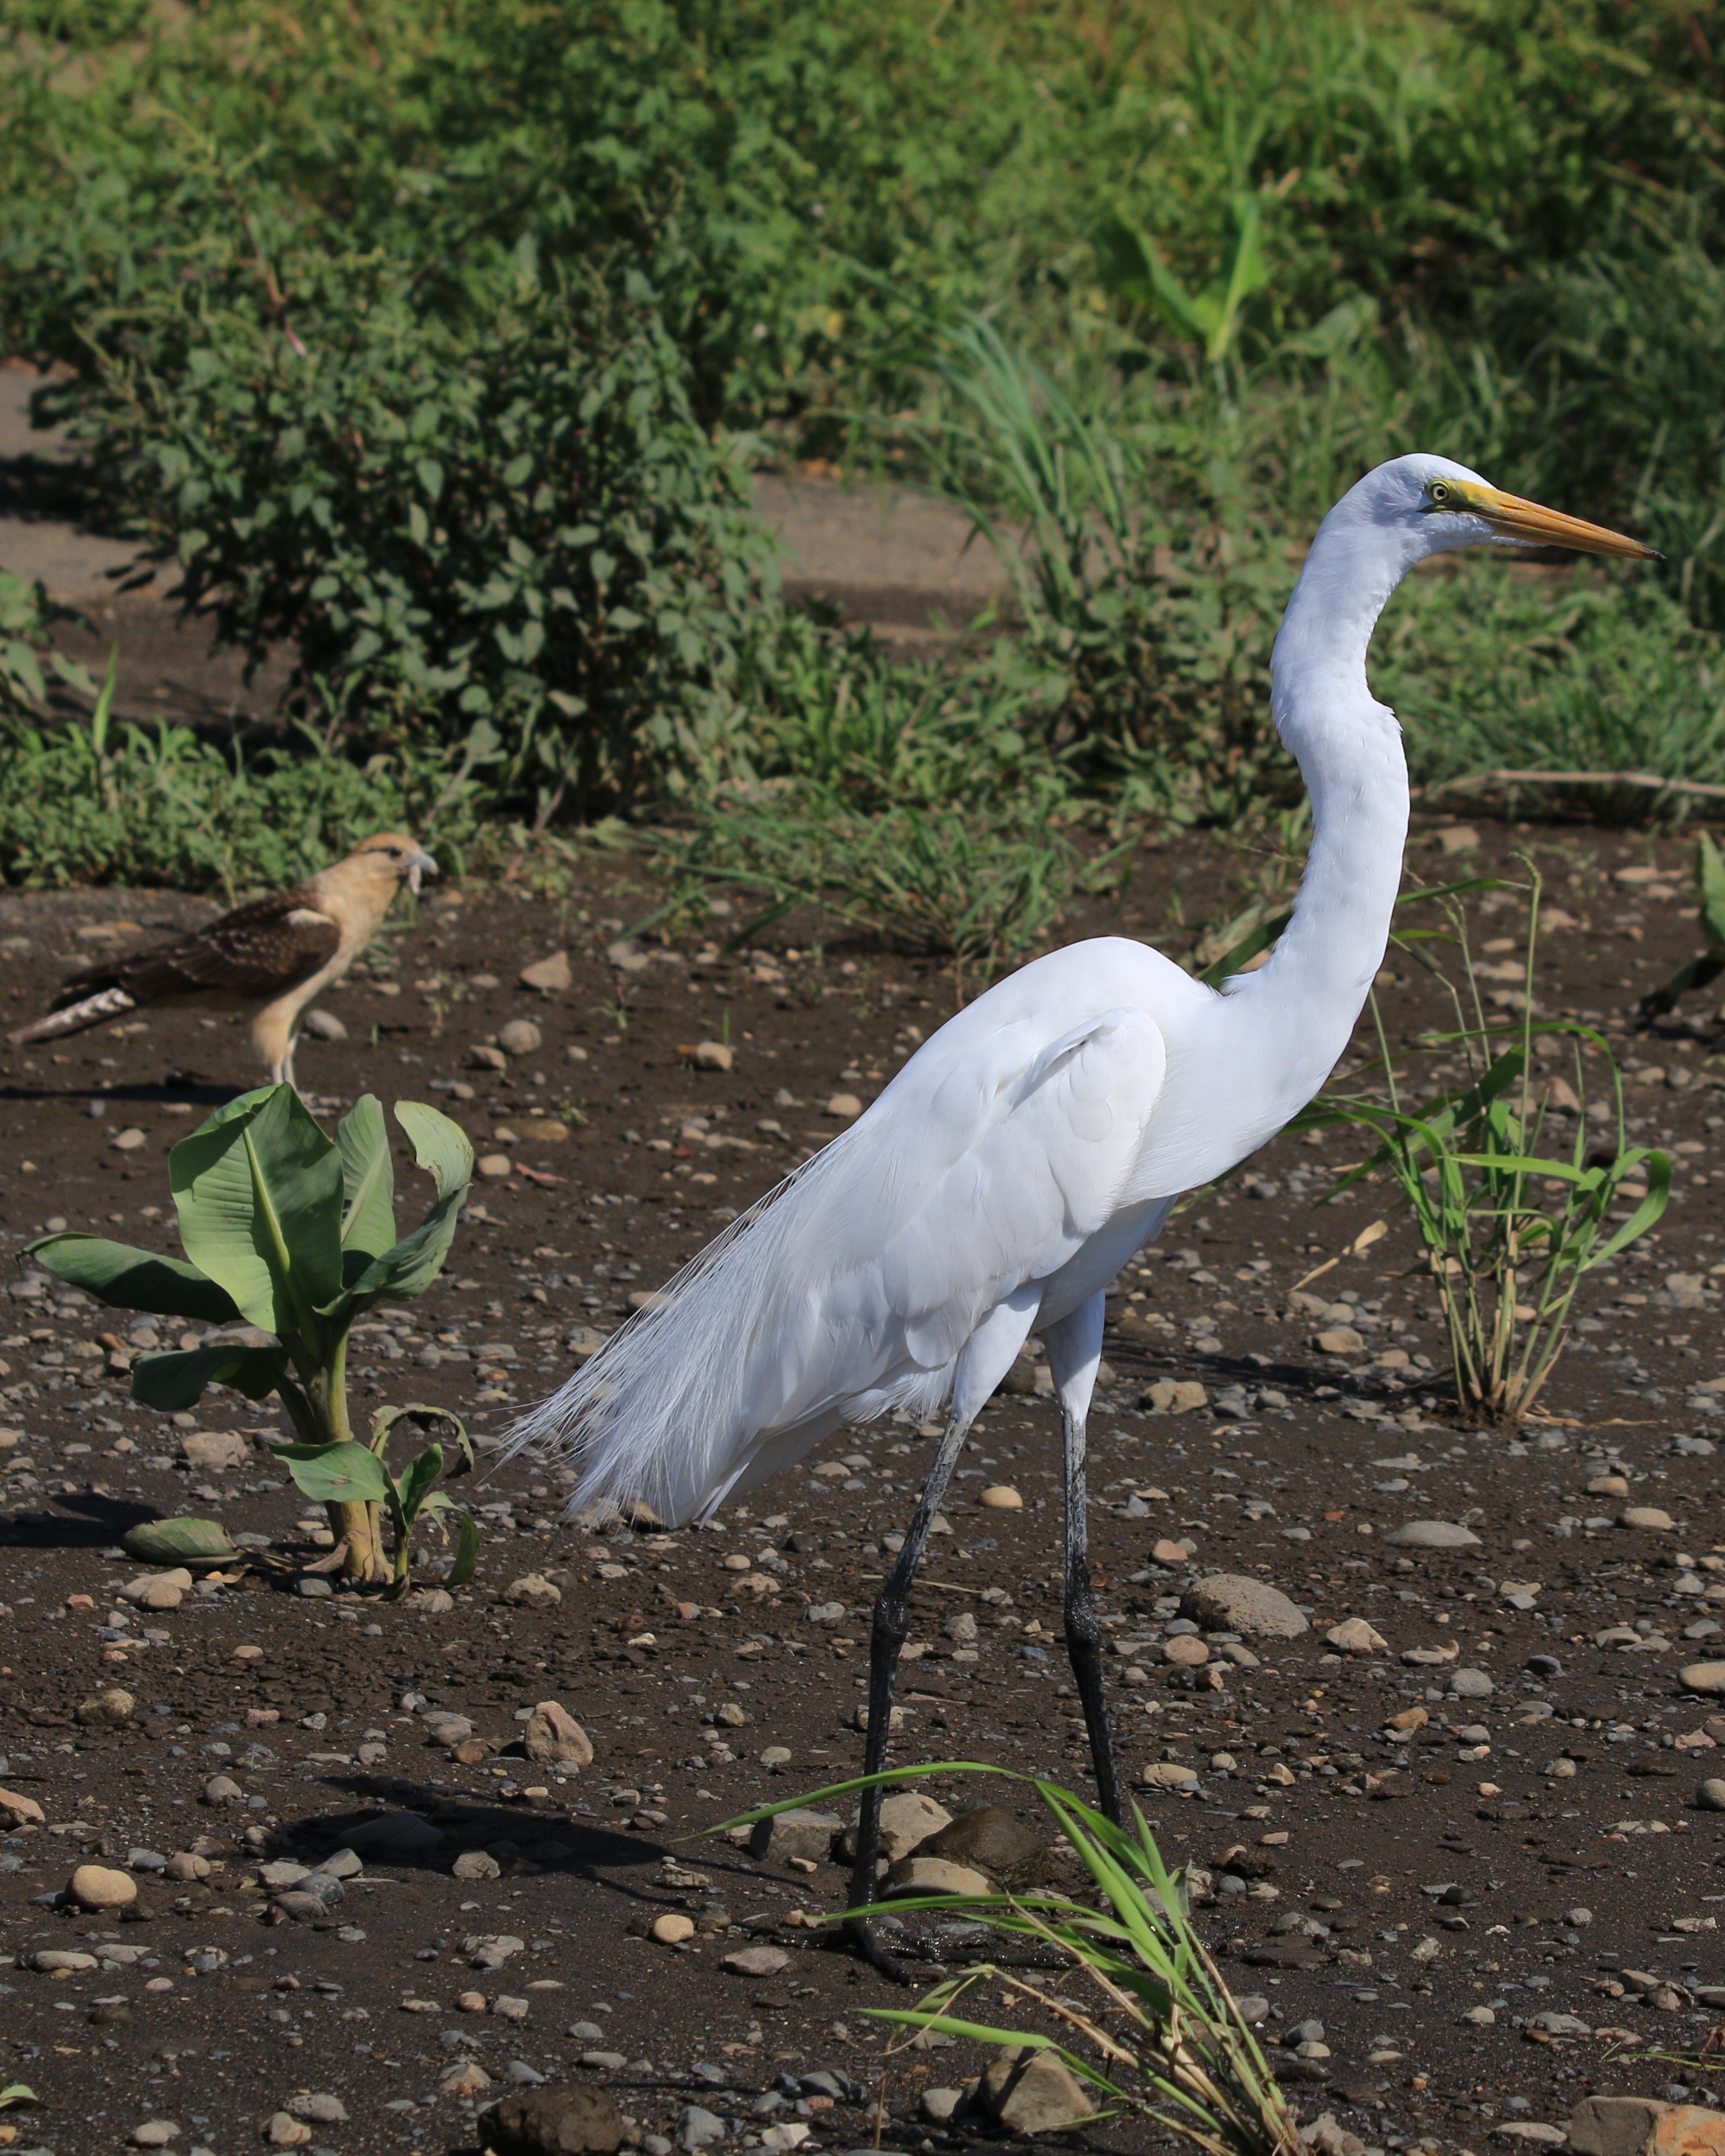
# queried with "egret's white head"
point(1435, 506)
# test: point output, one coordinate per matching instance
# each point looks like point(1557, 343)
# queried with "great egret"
point(1039, 1139)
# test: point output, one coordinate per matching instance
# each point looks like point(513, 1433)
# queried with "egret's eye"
point(1439, 493)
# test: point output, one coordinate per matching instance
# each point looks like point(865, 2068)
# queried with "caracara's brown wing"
point(261, 950)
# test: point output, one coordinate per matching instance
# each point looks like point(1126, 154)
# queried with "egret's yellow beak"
point(1517, 519)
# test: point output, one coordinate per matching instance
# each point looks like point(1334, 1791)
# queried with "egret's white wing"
point(988, 1162)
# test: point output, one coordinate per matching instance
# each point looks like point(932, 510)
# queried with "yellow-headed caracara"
point(272, 957)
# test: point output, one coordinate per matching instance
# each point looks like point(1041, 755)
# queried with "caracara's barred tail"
point(75, 1018)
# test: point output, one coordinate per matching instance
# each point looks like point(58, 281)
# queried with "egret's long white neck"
point(1305, 1000)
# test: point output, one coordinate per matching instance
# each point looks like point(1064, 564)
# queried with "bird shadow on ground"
point(87, 1521)
point(198, 1092)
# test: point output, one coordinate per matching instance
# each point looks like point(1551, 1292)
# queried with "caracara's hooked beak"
point(420, 864)
point(1533, 524)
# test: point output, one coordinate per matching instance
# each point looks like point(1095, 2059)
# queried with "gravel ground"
point(1462, 1922)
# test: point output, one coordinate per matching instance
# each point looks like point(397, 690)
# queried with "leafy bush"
point(290, 1232)
point(524, 528)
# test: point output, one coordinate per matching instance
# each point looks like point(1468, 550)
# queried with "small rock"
point(107, 1709)
point(323, 1025)
point(495, 1166)
point(1711, 1795)
point(554, 1737)
point(551, 976)
point(470, 2002)
point(320, 2108)
point(520, 1037)
point(798, 1833)
point(1174, 1396)
point(1699, 1676)
point(1354, 1635)
point(935, 1875)
point(962, 1629)
point(711, 1055)
point(469, 2078)
point(532, 1591)
point(476, 1864)
point(1470, 1684)
point(698, 2127)
point(1530, 2130)
point(1166, 1775)
point(987, 1839)
point(1638, 2126)
point(938, 2105)
point(510, 2009)
point(671, 1929)
point(154, 2133)
point(481, 1056)
point(1608, 1485)
point(1457, 839)
point(756, 1961)
point(214, 1451)
point(1167, 1552)
point(186, 1864)
point(1340, 1340)
point(71, 1959)
point(1186, 1650)
point(94, 1886)
point(1228, 1602)
point(1028, 2090)
point(844, 1106)
point(161, 1594)
point(1432, 1534)
point(1481, 2017)
point(16, 1811)
point(1002, 1498)
point(282, 2130)
point(1653, 1517)
point(907, 1820)
point(223, 1790)
point(574, 2120)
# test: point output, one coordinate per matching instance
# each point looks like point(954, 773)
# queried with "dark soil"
point(1455, 1896)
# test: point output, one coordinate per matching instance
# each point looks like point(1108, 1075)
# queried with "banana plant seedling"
point(291, 1233)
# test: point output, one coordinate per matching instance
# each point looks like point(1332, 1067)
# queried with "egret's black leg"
point(1084, 1634)
point(1074, 1350)
point(891, 1627)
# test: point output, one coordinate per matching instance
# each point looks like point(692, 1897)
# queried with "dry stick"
point(1647, 779)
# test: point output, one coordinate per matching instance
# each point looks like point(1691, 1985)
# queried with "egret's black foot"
point(864, 1934)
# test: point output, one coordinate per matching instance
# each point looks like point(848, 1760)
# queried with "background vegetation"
point(437, 340)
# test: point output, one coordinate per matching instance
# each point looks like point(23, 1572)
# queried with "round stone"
point(1711, 1795)
point(1470, 1684)
point(1432, 1534)
point(107, 1709)
point(1703, 1676)
point(1002, 1498)
point(846, 1106)
point(1228, 1602)
point(671, 1929)
point(1186, 1652)
point(520, 1037)
point(1166, 1775)
point(935, 1875)
point(1354, 1636)
point(95, 1887)
point(1653, 1517)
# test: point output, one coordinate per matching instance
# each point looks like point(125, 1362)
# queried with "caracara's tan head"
point(393, 857)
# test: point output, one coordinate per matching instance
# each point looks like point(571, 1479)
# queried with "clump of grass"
point(1508, 1230)
point(971, 885)
point(1176, 2051)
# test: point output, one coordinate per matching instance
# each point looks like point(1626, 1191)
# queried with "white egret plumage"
point(1040, 1139)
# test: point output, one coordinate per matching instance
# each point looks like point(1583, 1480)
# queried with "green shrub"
point(524, 527)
